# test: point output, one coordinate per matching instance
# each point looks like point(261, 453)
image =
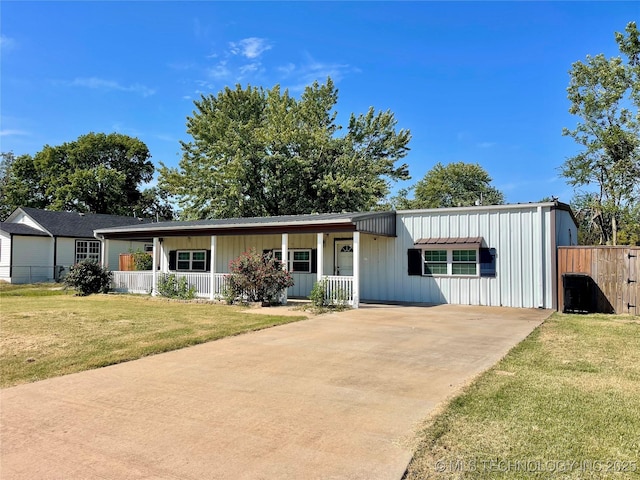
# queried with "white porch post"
point(285, 263)
point(154, 267)
point(105, 253)
point(356, 269)
point(212, 267)
point(320, 255)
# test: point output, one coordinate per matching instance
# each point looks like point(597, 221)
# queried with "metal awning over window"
point(451, 242)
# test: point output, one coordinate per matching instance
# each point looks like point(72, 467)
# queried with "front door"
point(344, 257)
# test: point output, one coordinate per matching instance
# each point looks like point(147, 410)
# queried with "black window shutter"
point(208, 265)
point(172, 260)
point(487, 262)
point(314, 260)
point(415, 261)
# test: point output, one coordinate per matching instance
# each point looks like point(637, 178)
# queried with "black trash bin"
point(579, 293)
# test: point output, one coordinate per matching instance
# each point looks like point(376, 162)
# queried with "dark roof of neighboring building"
point(73, 224)
point(21, 229)
point(381, 223)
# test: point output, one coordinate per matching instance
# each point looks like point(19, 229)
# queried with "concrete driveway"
point(335, 397)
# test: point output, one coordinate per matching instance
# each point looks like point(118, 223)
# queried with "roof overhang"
point(376, 223)
point(451, 242)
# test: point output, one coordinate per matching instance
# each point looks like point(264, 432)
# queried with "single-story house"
point(40, 245)
point(503, 255)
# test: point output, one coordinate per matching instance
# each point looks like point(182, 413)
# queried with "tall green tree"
point(257, 152)
point(96, 173)
point(605, 95)
point(20, 184)
point(457, 184)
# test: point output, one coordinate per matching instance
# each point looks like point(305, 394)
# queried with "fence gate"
point(615, 271)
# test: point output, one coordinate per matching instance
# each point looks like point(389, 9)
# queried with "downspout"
point(11, 256)
point(554, 261)
point(542, 259)
point(55, 257)
point(101, 238)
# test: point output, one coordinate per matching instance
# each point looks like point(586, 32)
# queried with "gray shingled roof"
point(72, 224)
point(21, 229)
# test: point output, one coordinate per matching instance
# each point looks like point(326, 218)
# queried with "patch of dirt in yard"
point(281, 310)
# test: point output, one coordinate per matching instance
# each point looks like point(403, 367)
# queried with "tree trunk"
point(614, 230)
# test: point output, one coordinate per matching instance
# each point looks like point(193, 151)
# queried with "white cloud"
point(8, 132)
point(312, 70)
point(251, 47)
point(219, 71)
point(287, 69)
point(102, 84)
point(249, 68)
point(486, 144)
point(7, 43)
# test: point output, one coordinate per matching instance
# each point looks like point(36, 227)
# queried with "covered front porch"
point(317, 248)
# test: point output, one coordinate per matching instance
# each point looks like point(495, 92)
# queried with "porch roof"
point(376, 223)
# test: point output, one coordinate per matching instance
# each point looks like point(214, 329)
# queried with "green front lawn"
point(46, 332)
point(564, 403)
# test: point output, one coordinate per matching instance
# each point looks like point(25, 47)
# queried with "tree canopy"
point(457, 184)
point(257, 152)
point(605, 95)
point(96, 173)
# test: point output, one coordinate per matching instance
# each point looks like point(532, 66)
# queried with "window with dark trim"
point(459, 262)
point(299, 260)
point(191, 260)
point(87, 250)
point(450, 262)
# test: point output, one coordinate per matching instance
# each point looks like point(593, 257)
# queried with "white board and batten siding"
point(232, 246)
point(522, 235)
point(5, 257)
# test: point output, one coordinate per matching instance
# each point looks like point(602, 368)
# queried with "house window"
point(464, 262)
point(297, 261)
point(192, 260)
point(450, 262)
point(87, 250)
point(435, 262)
point(148, 247)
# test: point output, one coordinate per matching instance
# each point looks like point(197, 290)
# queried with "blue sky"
point(478, 82)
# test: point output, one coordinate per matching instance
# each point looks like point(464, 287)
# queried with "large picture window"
point(87, 250)
point(299, 260)
point(191, 260)
point(450, 262)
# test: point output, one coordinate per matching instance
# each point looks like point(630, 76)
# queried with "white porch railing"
point(202, 282)
point(132, 282)
point(339, 289)
point(142, 282)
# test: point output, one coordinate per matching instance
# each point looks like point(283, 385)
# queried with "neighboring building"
point(502, 255)
point(40, 245)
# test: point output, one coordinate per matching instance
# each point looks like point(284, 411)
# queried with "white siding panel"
point(515, 233)
point(32, 259)
point(5, 257)
point(66, 251)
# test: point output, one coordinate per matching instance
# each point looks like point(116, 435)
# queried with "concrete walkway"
point(334, 397)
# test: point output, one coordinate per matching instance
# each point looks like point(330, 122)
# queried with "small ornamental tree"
point(257, 278)
point(88, 277)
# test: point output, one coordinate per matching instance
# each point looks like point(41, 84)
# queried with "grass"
point(568, 393)
point(46, 331)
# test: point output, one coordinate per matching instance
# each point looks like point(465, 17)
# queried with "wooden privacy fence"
point(614, 270)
